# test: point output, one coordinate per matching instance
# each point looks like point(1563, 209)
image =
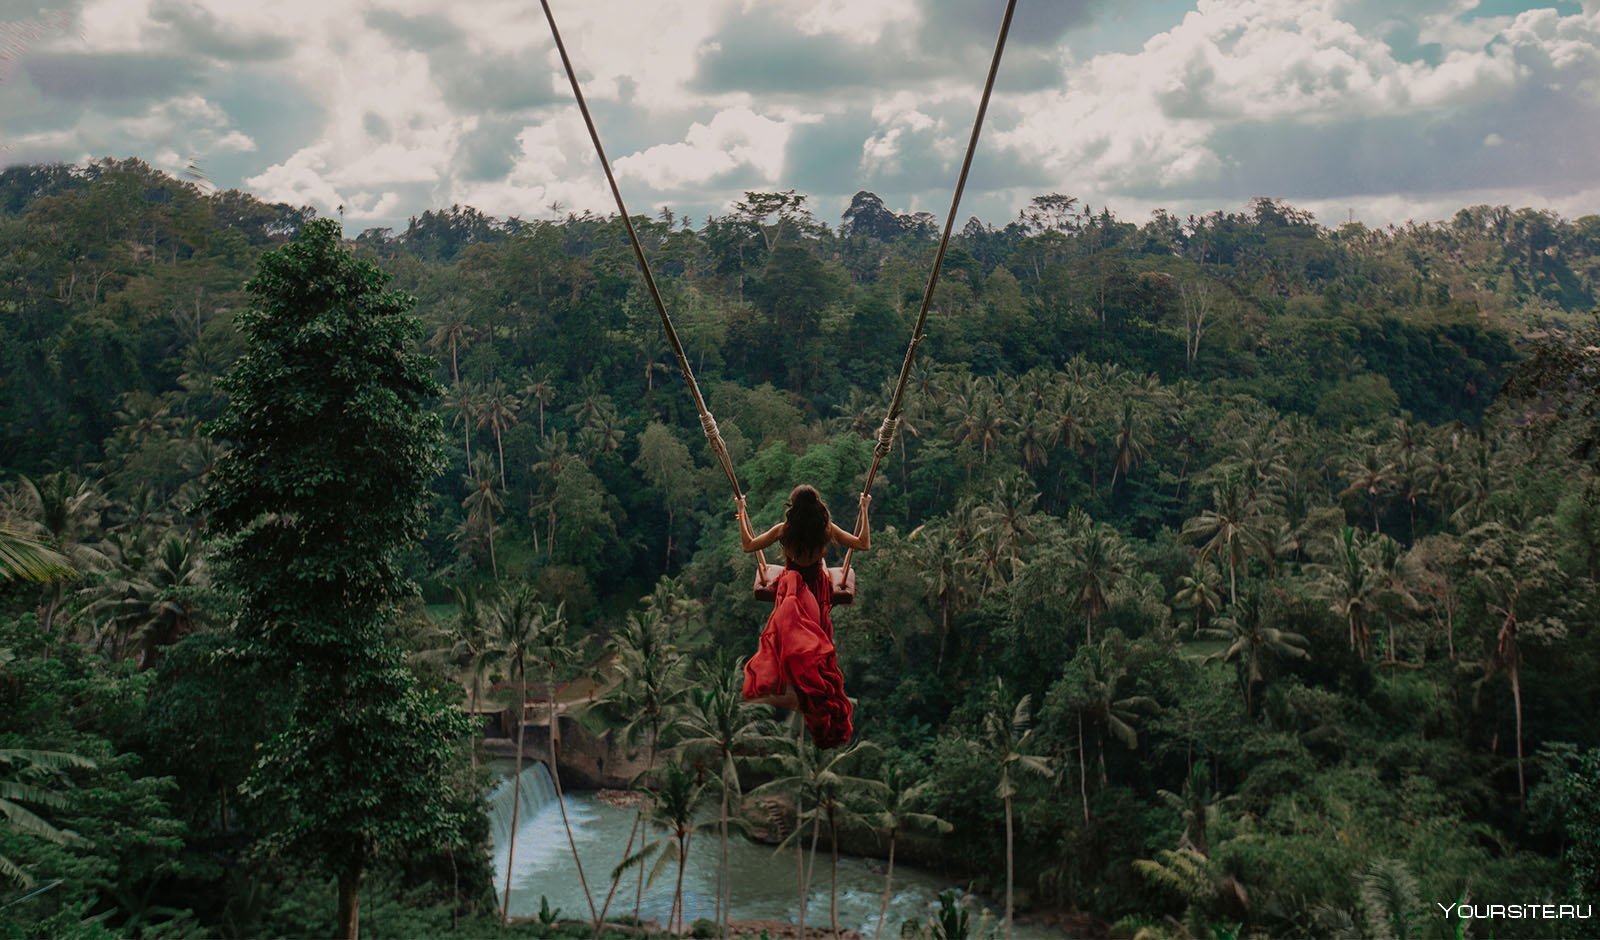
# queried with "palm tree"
point(979, 418)
point(1252, 640)
point(15, 791)
point(1197, 592)
point(716, 724)
point(1370, 475)
point(499, 413)
point(895, 814)
point(1349, 587)
point(1230, 528)
point(824, 792)
point(1199, 807)
point(541, 390)
point(156, 599)
point(1034, 430)
point(554, 454)
point(1520, 571)
point(676, 804)
point(474, 643)
point(453, 332)
point(1008, 739)
point(1004, 518)
point(1131, 443)
point(555, 653)
point(1096, 562)
point(62, 511)
point(481, 504)
point(1072, 415)
point(1090, 685)
point(517, 628)
point(649, 671)
point(939, 551)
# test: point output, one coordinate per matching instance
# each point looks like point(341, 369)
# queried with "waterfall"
point(537, 792)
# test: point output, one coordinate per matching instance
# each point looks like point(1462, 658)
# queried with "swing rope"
point(708, 424)
point(891, 421)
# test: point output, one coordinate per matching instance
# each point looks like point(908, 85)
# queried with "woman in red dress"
point(796, 665)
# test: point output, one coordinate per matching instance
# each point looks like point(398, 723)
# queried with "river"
point(764, 886)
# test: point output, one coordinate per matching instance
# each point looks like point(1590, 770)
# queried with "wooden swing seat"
point(844, 583)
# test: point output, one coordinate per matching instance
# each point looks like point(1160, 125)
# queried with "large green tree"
point(334, 446)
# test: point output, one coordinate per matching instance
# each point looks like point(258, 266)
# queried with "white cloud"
point(1161, 118)
point(735, 137)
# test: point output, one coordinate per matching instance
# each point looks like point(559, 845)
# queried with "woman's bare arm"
point(748, 540)
point(849, 540)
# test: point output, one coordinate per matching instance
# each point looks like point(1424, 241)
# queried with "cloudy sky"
point(1390, 109)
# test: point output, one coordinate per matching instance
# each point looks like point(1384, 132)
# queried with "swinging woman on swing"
point(797, 666)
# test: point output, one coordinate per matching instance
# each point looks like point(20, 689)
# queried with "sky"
point(1379, 110)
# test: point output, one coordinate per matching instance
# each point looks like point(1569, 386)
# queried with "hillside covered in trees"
point(1241, 568)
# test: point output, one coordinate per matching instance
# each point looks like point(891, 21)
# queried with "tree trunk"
point(626, 849)
point(501, 448)
point(516, 799)
point(833, 874)
point(1009, 860)
point(555, 777)
point(350, 905)
point(725, 881)
point(800, 871)
point(1083, 771)
point(1516, 699)
point(888, 883)
point(494, 566)
point(677, 893)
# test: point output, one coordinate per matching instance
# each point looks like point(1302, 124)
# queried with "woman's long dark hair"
point(805, 523)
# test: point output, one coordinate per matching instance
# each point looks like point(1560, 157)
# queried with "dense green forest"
point(1232, 575)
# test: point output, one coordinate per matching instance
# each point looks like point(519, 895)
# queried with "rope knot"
point(886, 435)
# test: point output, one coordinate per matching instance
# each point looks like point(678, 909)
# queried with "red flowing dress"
point(797, 650)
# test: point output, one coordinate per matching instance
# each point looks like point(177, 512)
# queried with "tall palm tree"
point(896, 813)
point(1348, 584)
point(499, 413)
point(554, 454)
point(825, 793)
point(1371, 475)
point(474, 645)
point(481, 504)
point(649, 672)
point(1008, 740)
point(1230, 528)
point(1090, 683)
point(673, 811)
point(1096, 562)
point(1004, 518)
point(1251, 641)
point(1197, 592)
point(1520, 571)
point(1131, 443)
point(454, 332)
point(541, 390)
point(555, 653)
point(715, 725)
point(517, 626)
point(940, 551)
point(978, 415)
